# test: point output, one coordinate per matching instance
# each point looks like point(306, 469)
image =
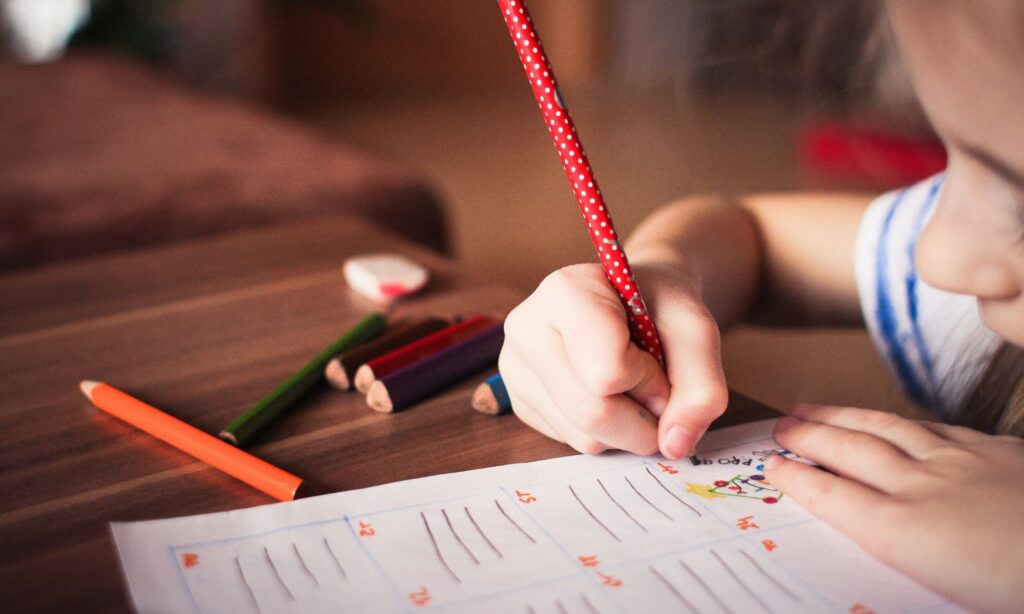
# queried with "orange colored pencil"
point(255, 472)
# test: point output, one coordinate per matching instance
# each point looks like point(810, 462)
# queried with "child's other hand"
point(573, 374)
point(940, 503)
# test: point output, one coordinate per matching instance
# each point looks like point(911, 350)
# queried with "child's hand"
point(573, 374)
point(940, 503)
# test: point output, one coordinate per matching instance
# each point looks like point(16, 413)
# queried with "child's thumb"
point(698, 390)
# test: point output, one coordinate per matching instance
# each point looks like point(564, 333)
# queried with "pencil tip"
point(378, 398)
point(483, 400)
point(87, 386)
point(364, 379)
point(336, 376)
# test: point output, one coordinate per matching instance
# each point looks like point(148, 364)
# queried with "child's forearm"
point(788, 257)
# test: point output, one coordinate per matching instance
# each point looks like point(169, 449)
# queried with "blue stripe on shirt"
point(885, 311)
point(912, 298)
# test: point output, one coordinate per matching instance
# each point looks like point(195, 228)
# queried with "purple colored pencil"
point(425, 377)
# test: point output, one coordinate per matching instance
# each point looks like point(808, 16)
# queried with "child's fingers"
point(583, 308)
point(853, 454)
point(850, 507)
point(693, 361)
point(519, 378)
point(907, 435)
point(614, 420)
point(531, 418)
point(649, 384)
point(536, 407)
point(959, 434)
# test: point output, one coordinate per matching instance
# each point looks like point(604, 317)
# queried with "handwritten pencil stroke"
point(277, 574)
point(740, 581)
point(437, 549)
point(674, 495)
point(672, 588)
point(482, 534)
point(646, 500)
point(455, 534)
point(621, 507)
point(707, 589)
point(591, 514)
point(245, 583)
point(513, 522)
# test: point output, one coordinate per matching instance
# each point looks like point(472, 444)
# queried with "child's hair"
point(996, 405)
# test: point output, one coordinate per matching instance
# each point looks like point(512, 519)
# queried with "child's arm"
point(570, 368)
point(785, 256)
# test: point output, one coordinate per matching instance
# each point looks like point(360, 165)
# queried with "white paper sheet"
point(613, 533)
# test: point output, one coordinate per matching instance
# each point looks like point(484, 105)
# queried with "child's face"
point(966, 58)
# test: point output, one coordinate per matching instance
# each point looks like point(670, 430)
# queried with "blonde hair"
point(996, 404)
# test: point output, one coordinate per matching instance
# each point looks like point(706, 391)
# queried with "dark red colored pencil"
point(397, 359)
point(340, 371)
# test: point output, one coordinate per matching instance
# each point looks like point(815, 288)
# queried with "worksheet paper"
point(609, 533)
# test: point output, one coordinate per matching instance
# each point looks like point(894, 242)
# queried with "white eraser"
point(383, 278)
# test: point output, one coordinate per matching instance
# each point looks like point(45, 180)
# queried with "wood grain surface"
point(203, 330)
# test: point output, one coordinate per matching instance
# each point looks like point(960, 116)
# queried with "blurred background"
point(130, 123)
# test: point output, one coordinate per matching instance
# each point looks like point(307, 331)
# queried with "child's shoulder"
point(933, 341)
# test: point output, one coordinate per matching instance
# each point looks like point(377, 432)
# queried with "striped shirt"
point(933, 341)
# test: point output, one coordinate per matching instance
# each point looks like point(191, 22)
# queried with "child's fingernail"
point(784, 424)
point(656, 405)
point(773, 461)
point(802, 410)
point(677, 442)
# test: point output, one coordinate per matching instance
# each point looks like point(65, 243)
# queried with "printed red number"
point(768, 544)
point(420, 598)
point(668, 469)
point(746, 523)
point(859, 608)
point(525, 497)
point(609, 580)
point(366, 529)
point(589, 560)
point(189, 559)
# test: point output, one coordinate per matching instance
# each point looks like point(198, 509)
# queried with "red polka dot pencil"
point(577, 169)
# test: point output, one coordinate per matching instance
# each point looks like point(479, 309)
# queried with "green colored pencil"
point(242, 430)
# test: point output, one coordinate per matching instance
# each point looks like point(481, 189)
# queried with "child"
point(937, 271)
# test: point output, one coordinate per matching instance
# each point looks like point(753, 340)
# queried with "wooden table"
point(203, 330)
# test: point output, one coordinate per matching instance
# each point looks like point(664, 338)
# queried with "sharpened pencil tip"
point(483, 400)
point(379, 399)
point(336, 375)
point(87, 386)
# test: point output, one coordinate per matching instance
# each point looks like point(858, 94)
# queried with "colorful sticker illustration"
point(762, 455)
point(703, 490)
point(748, 487)
point(744, 486)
